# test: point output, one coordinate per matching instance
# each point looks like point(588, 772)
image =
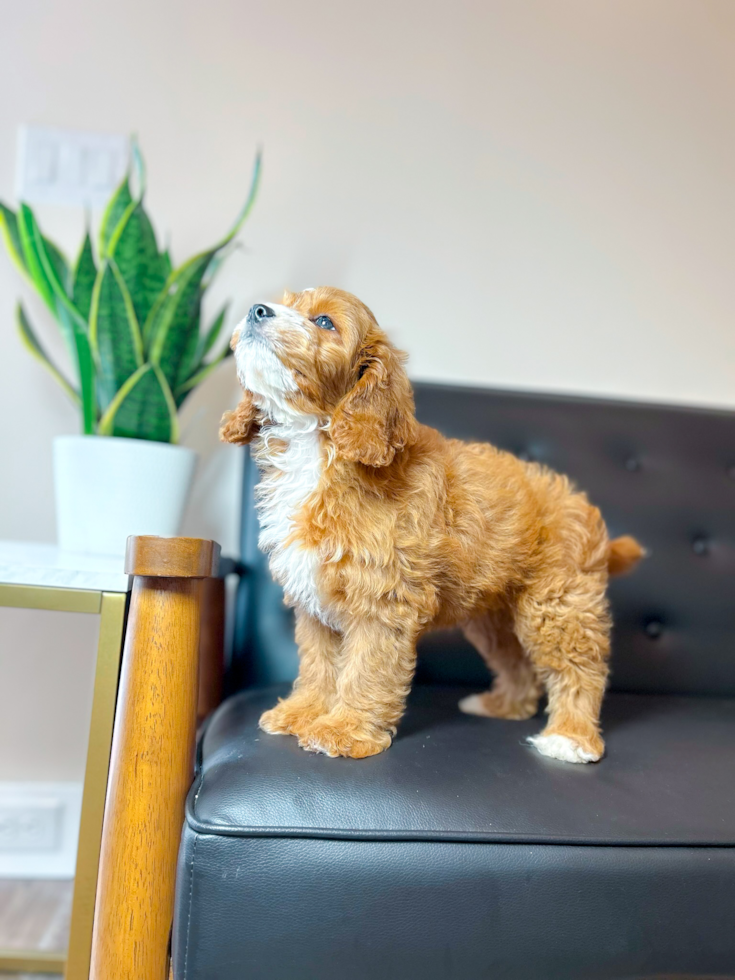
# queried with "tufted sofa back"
point(664, 474)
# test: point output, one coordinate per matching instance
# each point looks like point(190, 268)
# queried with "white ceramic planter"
point(109, 488)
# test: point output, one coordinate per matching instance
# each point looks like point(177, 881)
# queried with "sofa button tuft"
point(654, 628)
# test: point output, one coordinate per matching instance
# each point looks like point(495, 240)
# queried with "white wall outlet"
point(63, 166)
point(39, 828)
point(27, 825)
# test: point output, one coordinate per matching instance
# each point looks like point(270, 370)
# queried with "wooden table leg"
point(107, 670)
point(152, 758)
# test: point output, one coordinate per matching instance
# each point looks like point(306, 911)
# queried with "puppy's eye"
point(324, 322)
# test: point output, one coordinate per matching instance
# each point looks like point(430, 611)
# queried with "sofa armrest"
point(152, 756)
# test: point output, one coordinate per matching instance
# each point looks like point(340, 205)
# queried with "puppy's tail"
point(623, 555)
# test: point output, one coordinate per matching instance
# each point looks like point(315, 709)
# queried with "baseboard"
point(39, 829)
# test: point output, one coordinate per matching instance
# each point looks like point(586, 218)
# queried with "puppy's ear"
point(376, 418)
point(242, 424)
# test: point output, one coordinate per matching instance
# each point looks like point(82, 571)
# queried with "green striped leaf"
point(47, 270)
point(73, 325)
point(34, 346)
point(114, 333)
point(248, 205)
point(33, 243)
point(217, 262)
point(166, 263)
point(87, 380)
point(170, 404)
point(200, 369)
point(60, 265)
point(114, 212)
point(172, 328)
point(171, 332)
point(18, 239)
point(142, 409)
point(144, 269)
point(82, 358)
point(54, 267)
point(106, 426)
point(11, 237)
point(85, 274)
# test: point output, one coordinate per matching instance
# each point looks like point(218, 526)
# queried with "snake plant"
point(130, 322)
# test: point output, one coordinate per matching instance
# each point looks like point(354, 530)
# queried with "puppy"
point(379, 529)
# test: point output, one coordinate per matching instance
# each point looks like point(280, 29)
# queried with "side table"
point(38, 576)
point(140, 752)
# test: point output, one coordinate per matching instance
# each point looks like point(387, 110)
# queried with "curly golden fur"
point(381, 529)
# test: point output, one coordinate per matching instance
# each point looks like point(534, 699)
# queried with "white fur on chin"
point(261, 372)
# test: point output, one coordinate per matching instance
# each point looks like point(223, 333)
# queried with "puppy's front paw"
point(341, 734)
point(289, 717)
point(274, 721)
point(568, 749)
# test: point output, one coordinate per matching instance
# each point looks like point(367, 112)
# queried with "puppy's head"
point(320, 354)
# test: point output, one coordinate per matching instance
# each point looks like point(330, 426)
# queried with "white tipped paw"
point(562, 748)
point(473, 705)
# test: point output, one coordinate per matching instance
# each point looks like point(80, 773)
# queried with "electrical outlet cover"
point(39, 828)
point(30, 825)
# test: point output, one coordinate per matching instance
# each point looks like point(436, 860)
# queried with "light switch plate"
point(65, 166)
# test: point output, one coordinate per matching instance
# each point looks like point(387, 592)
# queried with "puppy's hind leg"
point(565, 627)
point(515, 690)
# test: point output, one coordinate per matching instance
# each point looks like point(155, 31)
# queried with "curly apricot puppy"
point(379, 529)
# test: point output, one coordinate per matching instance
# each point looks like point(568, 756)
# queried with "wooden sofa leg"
point(211, 646)
point(152, 758)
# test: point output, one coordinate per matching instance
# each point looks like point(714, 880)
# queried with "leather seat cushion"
point(667, 778)
point(460, 853)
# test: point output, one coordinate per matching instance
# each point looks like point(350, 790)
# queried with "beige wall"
point(530, 193)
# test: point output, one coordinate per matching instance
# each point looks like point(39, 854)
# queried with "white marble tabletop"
point(30, 563)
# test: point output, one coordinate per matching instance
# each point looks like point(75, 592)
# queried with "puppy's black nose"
point(260, 312)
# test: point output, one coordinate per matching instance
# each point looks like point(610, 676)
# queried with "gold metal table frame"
point(112, 610)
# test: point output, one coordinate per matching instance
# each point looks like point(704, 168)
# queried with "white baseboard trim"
point(39, 829)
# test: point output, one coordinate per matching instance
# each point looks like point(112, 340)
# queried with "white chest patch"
point(289, 479)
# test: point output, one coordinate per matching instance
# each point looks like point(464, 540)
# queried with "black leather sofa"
point(461, 853)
